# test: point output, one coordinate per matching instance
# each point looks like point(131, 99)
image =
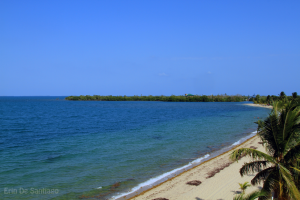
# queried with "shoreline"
point(259, 105)
point(150, 187)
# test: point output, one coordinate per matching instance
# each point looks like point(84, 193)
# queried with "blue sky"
point(149, 47)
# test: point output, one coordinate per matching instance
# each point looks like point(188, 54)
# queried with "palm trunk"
point(276, 194)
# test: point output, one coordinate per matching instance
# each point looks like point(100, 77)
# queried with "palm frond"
point(253, 167)
point(287, 177)
point(260, 125)
point(256, 194)
point(290, 119)
point(296, 169)
point(262, 175)
point(252, 196)
point(276, 107)
point(238, 197)
point(292, 154)
point(254, 154)
point(271, 134)
point(269, 183)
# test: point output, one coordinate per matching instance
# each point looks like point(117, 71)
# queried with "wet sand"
point(219, 178)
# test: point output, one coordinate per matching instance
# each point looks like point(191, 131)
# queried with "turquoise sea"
point(51, 148)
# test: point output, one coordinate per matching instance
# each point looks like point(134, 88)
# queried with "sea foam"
point(244, 139)
point(161, 178)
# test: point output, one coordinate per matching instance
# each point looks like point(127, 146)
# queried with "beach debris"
point(160, 199)
point(195, 182)
point(253, 147)
point(218, 169)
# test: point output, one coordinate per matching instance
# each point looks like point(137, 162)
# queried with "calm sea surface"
point(51, 148)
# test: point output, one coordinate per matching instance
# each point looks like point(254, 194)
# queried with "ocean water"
point(51, 148)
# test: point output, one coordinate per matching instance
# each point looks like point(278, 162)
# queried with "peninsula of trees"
point(172, 98)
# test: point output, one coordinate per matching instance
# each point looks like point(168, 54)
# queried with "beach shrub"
point(244, 186)
point(252, 196)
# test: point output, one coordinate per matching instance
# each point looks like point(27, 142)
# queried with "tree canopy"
point(172, 98)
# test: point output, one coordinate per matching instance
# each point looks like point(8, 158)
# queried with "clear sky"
point(149, 47)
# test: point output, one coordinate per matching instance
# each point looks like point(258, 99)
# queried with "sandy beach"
point(259, 105)
point(219, 178)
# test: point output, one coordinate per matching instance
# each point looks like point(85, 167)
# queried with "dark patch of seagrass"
point(195, 182)
point(116, 185)
point(253, 147)
point(218, 169)
point(111, 190)
point(160, 199)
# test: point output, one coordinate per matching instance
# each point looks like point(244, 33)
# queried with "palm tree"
point(260, 124)
point(268, 99)
point(244, 186)
point(282, 95)
point(278, 169)
point(295, 95)
point(251, 196)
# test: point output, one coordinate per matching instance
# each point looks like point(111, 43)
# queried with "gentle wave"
point(244, 139)
point(161, 178)
point(49, 143)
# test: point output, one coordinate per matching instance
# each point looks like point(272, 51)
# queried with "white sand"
point(222, 185)
point(259, 105)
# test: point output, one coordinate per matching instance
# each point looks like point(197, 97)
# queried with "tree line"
point(172, 98)
point(272, 98)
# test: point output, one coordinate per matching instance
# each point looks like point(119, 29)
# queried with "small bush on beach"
point(244, 186)
point(251, 196)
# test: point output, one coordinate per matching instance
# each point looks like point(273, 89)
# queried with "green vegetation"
point(251, 196)
point(294, 95)
point(244, 186)
point(172, 98)
point(279, 168)
point(269, 99)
